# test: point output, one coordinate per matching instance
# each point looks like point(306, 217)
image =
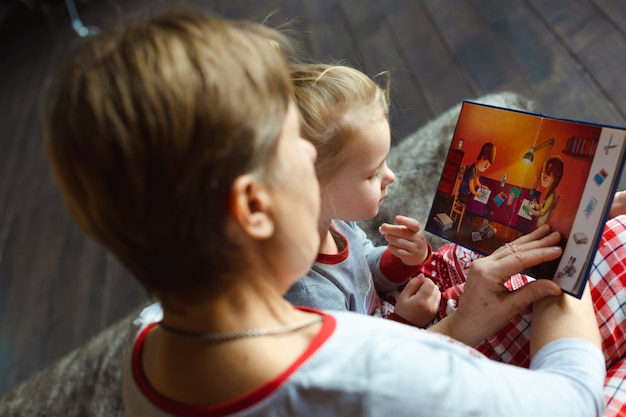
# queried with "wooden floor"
point(57, 289)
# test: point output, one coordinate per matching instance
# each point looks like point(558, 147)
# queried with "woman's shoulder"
point(354, 326)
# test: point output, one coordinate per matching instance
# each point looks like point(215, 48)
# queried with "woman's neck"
point(248, 303)
point(181, 368)
point(328, 244)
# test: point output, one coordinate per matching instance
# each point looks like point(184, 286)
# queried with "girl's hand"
point(418, 303)
point(406, 240)
point(486, 304)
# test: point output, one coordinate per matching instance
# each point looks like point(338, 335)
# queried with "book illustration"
point(590, 206)
point(580, 238)
point(486, 230)
point(609, 146)
point(581, 146)
point(485, 193)
point(500, 198)
point(545, 171)
point(600, 177)
point(524, 210)
point(551, 174)
point(570, 268)
point(444, 221)
point(513, 194)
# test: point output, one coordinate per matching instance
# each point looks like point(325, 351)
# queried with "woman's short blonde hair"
point(146, 128)
point(335, 101)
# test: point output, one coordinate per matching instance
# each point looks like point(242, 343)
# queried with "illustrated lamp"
point(530, 156)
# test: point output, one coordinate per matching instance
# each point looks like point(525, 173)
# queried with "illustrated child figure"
point(470, 184)
point(345, 115)
point(551, 175)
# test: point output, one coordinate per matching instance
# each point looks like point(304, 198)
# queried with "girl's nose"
point(389, 176)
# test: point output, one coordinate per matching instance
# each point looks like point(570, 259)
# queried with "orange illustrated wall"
point(514, 133)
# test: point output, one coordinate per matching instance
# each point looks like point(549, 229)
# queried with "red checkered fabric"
point(608, 291)
point(615, 390)
point(449, 266)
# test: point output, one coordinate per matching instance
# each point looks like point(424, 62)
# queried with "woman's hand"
point(486, 304)
point(406, 240)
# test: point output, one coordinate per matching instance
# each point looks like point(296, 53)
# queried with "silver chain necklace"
point(225, 336)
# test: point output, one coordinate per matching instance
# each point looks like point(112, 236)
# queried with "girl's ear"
point(249, 206)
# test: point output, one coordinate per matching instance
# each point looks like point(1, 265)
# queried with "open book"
point(508, 172)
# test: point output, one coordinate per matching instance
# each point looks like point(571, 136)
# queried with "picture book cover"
point(508, 172)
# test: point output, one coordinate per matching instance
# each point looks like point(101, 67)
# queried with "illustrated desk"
point(502, 204)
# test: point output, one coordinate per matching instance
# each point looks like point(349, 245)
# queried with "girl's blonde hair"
point(335, 102)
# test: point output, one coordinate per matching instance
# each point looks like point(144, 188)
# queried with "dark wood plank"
point(15, 125)
point(507, 46)
point(598, 46)
point(615, 11)
point(26, 322)
point(375, 42)
point(330, 38)
point(471, 33)
point(429, 60)
point(578, 22)
point(50, 303)
point(606, 65)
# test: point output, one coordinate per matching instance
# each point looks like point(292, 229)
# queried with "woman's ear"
point(249, 206)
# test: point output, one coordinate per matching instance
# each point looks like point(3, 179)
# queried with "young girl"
point(470, 184)
point(345, 115)
point(551, 174)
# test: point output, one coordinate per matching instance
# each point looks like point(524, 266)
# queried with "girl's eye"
point(375, 176)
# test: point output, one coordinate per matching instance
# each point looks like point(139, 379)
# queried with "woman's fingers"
point(487, 305)
point(515, 261)
point(541, 237)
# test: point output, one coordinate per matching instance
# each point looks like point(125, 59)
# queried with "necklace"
point(225, 336)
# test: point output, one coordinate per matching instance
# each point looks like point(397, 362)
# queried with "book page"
point(516, 171)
